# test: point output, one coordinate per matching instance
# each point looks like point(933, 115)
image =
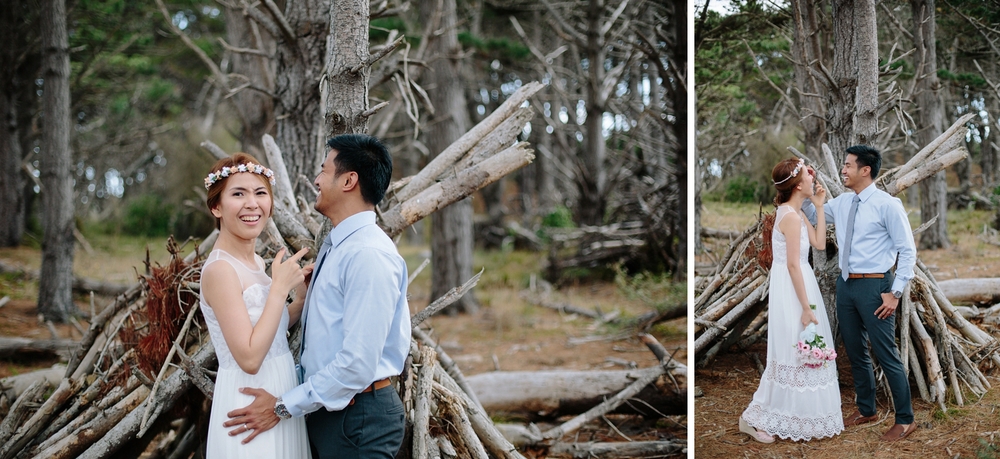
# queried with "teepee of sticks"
point(142, 371)
point(944, 352)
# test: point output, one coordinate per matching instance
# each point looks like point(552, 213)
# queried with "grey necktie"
point(324, 249)
point(850, 235)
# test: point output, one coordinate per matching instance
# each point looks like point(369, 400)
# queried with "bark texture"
point(930, 124)
point(451, 234)
point(852, 99)
point(55, 299)
point(254, 107)
point(300, 64)
point(593, 178)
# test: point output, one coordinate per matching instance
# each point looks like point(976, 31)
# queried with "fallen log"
point(621, 449)
point(14, 386)
point(22, 347)
point(719, 233)
point(973, 290)
point(551, 394)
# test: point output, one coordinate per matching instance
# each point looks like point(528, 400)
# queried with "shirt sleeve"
point(898, 225)
point(810, 211)
point(371, 291)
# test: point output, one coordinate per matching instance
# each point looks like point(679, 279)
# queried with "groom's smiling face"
point(852, 174)
point(326, 185)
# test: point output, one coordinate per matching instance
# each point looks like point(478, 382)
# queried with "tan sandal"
point(758, 435)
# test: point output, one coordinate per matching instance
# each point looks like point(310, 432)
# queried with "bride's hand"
point(819, 196)
point(808, 317)
point(287, 274)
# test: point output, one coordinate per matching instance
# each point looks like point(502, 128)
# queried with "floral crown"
point(795, 172)
point(229, 170)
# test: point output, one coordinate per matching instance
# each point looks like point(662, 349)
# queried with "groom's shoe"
point(899, 432)
point(857, 419)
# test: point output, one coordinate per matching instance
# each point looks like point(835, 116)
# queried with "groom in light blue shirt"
point(356, 318)
point(873, 234)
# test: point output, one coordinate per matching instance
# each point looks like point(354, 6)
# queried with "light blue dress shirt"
point(881, 232)
point(356, 317)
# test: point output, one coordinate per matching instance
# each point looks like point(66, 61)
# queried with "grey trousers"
point(857, 300)
point(373, 427)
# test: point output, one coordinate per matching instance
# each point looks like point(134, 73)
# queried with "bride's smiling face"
point(245, 205)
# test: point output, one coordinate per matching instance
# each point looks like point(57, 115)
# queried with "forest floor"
point(507, 333)
point(729, 381)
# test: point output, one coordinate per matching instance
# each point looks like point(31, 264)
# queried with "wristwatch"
point(897, 294)
point(280, 411)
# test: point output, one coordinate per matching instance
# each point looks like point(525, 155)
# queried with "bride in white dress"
point(794, 401)
point(245, 311)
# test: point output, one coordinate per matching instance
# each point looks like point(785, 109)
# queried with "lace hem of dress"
point(794, 427)
point(800, 377)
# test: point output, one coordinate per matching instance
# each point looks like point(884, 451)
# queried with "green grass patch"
point(944, 415)
point(17, 287)
point(987, 450)
point(658, 291)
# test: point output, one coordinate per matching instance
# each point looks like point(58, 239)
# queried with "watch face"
point(897, 294)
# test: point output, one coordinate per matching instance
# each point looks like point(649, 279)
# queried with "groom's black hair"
point(367, 156)
point(867, 156)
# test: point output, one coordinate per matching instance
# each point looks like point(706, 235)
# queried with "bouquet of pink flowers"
point(812, 350)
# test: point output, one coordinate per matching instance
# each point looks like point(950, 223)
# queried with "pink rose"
point(817, 354)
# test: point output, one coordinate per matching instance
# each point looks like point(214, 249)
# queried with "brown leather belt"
point(380, 384)
point(866, 276)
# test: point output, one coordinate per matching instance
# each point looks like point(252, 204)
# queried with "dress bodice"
point(779, 244)
point(256, 286)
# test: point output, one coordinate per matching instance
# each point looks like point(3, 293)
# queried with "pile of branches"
point(943, 350)
point(648, 214)
point(141, 380)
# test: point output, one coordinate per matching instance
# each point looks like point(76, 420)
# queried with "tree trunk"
point(11, 178)
point(806, 49)
point(451, 227)
point(590, 207)
point(299, 68)
point(679, 224)
point(55, 299)
point(988, 154)
point(930, 124)
point(866, 39)
point(254, 108)
point(851, 103)
point(347, 70)
point(18, 64)
point(545, 187)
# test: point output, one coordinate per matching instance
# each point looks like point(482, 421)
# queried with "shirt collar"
point(867, 192)
point(349, 225)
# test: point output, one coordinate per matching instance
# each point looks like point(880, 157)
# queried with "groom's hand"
point(888, 307)
point(256, 417)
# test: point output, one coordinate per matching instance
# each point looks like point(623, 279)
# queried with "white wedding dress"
point(794, 401)
point(288, 439)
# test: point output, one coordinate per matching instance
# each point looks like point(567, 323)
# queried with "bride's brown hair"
point(783, 180)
